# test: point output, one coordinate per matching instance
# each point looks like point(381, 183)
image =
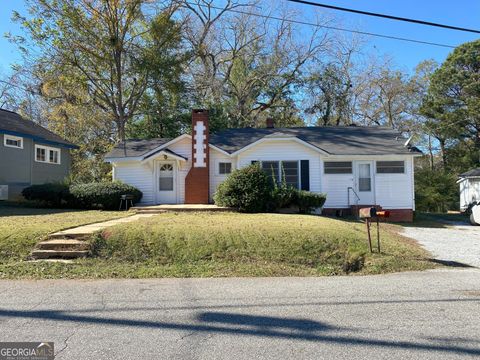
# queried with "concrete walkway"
point(459, 243)
point(89, 229)
point(180, 207)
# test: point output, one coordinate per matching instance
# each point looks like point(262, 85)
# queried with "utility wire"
point(329, 27)
point(385, 16)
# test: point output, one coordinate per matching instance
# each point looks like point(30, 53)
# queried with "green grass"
point(22, 227)
point(231, 244)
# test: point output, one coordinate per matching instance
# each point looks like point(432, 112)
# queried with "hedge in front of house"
point(51, 194)
point(247, 189)
point(103, 195)
point(250, 190)
point(308, 201)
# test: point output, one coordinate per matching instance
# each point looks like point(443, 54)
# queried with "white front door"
point(166, 182)
point(364, 182)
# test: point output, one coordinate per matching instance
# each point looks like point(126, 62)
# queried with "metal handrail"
point(348, 190)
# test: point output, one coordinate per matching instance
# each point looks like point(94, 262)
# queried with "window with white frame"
point(224, 168)
point(283, 172)
point(47, 154)
point(390, 167)
point(13, 141)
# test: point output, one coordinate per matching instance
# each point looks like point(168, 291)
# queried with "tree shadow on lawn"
point(21, 209)
point(247, 325)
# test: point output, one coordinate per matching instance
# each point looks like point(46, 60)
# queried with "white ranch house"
point(355, 166)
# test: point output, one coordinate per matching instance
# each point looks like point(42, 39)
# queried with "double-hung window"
point(47, 154)
point(224, 168)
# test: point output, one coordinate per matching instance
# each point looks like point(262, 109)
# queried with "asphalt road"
point(429, 315)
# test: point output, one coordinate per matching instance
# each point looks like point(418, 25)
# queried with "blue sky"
point(464, 13)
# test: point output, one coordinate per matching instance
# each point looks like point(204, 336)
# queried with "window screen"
point(390, 167)
point(271, 169)
point(224, 168)
point(41, 156)
point(290, 172)
point(53, 156)
point(14, 142)
point(364, 177)
point(338, 167)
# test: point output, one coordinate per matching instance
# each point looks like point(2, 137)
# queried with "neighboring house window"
point(283, 171)
point(13, 141)
point(390, 167)
point(338, 167)
point(224, 168)
point(47, 154)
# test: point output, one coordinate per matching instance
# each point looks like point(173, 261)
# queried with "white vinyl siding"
point(469, 192)
point(138, 175)
point(217, 157)
point(336, 187)
point(395, 191)
point(391, 191)
point(285, 150)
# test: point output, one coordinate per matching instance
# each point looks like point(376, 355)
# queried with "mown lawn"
point(232, 244)
point(22, 227)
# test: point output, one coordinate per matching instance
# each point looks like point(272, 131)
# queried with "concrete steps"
point(63, 244)
point(160, 209)
point(74, 243)
point(61, 249)
point(148, 211)
point(59, 254)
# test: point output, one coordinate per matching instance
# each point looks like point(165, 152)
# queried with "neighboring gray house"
point(29, 154)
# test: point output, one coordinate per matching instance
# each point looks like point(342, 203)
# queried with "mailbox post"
point(371, 214)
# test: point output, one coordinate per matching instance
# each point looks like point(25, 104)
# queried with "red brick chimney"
point(270, 123)
point(197, 180)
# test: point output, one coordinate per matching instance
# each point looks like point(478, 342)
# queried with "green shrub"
point(247, 189)
point(52, 194)
point(308, 201)
point(282, 197)
point(103, 195)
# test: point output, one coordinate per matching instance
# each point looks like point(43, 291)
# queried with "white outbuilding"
point(469, 188)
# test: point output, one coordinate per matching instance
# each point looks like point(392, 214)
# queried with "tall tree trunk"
point(443, 150)
point(430, 151)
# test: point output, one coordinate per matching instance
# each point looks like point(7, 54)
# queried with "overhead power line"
point(385, 16)
point(330, 27)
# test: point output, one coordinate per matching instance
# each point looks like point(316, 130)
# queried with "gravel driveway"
point(459, 243)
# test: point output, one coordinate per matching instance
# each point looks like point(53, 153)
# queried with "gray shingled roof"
point(471, 173)
point(13, 124)
point(341, 140)
point(136, 148)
